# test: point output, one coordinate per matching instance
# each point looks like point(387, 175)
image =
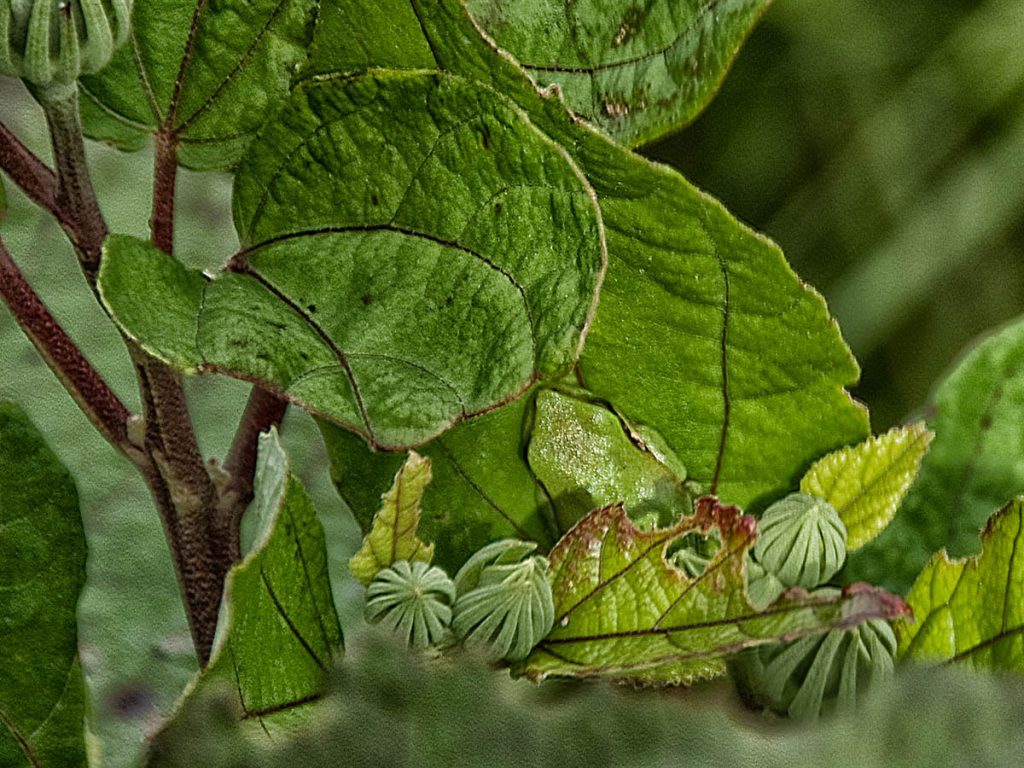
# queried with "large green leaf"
point(42, 572)
point(358, 295)
point(278, 632)
point(638, 70)
point(392, 536)
point(973, 466)
point(482, 488)
point(703, 332)
point(972, 611)
point(206, 73)
point(623, 612)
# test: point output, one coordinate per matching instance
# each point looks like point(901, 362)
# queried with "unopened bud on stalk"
point(54, 42)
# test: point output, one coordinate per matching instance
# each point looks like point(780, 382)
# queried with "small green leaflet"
point(207, 74)
point(585, 456)
point(482, 488)
point(971, 611)
point(392, 536)
point(623, 612)
point(972, 468)
point(42, 573)
point(278, 633)
point(637, 70)
point(866, 483)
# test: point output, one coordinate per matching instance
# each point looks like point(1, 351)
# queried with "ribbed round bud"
point(504, 602)
point(48, 42)
point(817, 674)
point(414, 600)
point(801, 540)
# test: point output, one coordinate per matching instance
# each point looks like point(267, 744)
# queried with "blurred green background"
point(881, 144)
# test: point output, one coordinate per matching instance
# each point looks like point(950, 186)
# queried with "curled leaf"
point(392, 536)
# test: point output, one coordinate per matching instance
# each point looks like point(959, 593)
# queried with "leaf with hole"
point(623, 612)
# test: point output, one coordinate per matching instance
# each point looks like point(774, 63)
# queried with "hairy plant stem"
point(76, 198)
point(263, 411)
point(188, 500)
point(85, 385)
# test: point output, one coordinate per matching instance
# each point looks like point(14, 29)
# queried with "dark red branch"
point(96, 399)
point(263, 411)
point(32, 175)
point(165, 179)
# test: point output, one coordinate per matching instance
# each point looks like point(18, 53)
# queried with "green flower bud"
point(504, 601)
point(817, 674)
point(763, 587)
point(49, 42)
point(801, 540)
point(413, 600)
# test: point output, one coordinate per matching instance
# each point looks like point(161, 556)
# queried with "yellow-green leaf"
point(392, 536)
point(972, 610)
point(867, 482)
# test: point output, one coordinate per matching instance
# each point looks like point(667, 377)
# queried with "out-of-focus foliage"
point(886, 160)
point(975, 465)
point(386, 708)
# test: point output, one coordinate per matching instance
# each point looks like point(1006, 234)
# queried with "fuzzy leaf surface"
point(278, 632)
point(703, 332)
point(637, 70)
point(206, 73)
point(42, 572)
point(397, 275)
point(392, 535)
point(971, 611)
point(974, 464)
point(622, 612)
point(585, 456)
point(865, 483)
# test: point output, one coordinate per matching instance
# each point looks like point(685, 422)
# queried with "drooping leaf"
point(42, 572)
point(638, 70)
point(623, 612)
point(971, 611)
point(973, 465)
point(357, 295)
point(865, 483)
point(746, 380)
point(392, 536)
point(278, 632)
point(585, 457)
point(206, 73)
point(482, 488)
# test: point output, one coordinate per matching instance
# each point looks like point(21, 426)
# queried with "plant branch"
point(32, 175)
point(85, 385)
point(263, 411)
point(76, 197)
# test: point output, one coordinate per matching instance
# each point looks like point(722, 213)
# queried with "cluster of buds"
point(52, 43)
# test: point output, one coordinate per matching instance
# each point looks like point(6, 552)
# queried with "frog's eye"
point(414, 600)
point(504, 602)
